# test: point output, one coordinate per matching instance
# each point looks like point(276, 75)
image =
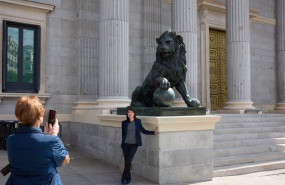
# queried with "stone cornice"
point(42, 96)
point(215, 6)
point(45, 7)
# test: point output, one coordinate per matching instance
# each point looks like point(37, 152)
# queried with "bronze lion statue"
point(169, 70)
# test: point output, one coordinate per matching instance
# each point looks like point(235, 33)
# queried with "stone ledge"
point(42, 96)
point(45, 7)
point(166, 123)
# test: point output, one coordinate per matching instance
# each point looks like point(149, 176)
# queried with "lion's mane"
point(174, 68)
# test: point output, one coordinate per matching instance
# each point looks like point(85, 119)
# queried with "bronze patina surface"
point(169, 70)
point(165, 111)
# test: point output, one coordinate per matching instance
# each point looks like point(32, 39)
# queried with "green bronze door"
point(218, 84)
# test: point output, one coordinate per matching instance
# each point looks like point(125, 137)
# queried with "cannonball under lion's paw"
point(163, 98)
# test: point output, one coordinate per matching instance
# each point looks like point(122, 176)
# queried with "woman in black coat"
point(131, 140)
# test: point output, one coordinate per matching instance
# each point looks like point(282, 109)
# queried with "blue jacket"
point(34, 156)
point(139, 129)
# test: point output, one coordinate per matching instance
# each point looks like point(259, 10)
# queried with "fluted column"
point(238, 55)
point(152, 30)
point(280, 39)
point(114, 50)
point(88, 51)
point(184, 22)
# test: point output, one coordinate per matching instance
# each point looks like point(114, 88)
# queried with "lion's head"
point(170, 45)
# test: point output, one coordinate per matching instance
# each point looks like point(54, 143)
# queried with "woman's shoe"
point(128, 182)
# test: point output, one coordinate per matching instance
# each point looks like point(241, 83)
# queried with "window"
point(21, 57)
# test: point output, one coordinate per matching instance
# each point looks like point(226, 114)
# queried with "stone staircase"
point(248, 143)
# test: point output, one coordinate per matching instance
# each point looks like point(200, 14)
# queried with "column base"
point(236, 107)
point(279, 108)
point(105, 105)
point(87, 112)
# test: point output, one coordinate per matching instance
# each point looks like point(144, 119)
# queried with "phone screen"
point(52, 116)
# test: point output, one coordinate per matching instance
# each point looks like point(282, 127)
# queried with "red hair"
point(29, 109)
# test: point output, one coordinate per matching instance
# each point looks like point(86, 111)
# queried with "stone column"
point(114, 53)
point(88, 50)
point(280, 39)
point(184, 22)
point(152, 30)
point(238, 55)
point(88, 64)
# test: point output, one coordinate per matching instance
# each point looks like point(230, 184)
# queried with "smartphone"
point(5, 170)
point(51, 116)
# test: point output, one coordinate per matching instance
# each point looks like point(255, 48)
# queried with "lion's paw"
point(193, 103)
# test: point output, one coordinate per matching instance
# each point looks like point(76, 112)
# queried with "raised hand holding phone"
point(52, 116)
point(50, 129)
point(53, 129)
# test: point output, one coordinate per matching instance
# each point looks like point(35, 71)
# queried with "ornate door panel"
point(218, 84)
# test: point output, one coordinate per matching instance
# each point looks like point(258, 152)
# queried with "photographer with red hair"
point(34, 155)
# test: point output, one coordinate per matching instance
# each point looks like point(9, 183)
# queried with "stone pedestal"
point(182, 151)
point(88, 112)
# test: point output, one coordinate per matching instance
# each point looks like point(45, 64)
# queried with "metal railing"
point(9, 127)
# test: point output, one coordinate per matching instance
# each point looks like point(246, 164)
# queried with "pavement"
point(85, 170)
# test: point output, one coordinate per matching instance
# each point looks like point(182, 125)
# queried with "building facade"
point(84, 58)
point(92, 54)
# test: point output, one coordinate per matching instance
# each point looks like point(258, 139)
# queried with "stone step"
point(252, 119)
point(280, 147)
point(231, 137)
point(248, 168)
point(248, 130)
point(245, 143)
point(226, 117)
point(243, 159)
point(227, 152)
point(247, 124)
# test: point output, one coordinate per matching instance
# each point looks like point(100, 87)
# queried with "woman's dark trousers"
point(129, 153)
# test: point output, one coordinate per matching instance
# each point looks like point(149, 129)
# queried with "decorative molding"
point(42, 97)
point(220, 7)
point(203, 16)
point(30, 4)
point(60, 117)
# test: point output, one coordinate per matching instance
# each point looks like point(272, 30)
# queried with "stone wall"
point(101, 142)
point(62, 56)
point(263, 57)
point(72, 53)
point(168, 157)
point(263, 64)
